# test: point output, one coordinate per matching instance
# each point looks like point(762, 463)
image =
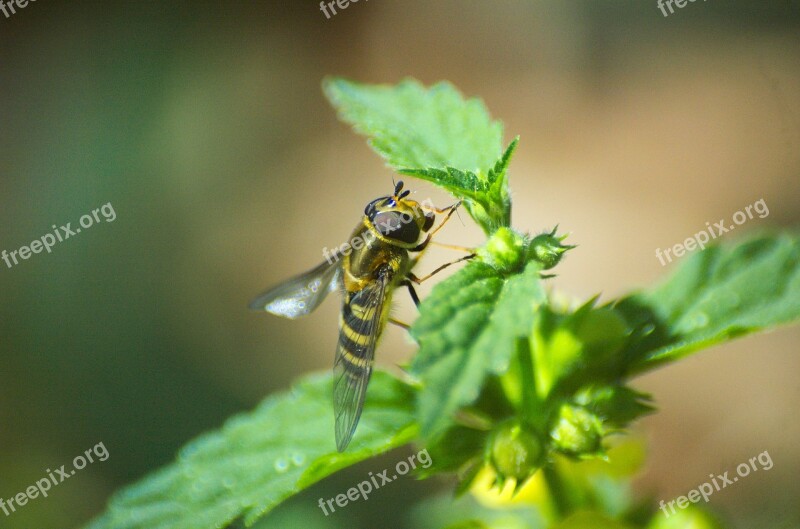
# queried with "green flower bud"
point(515, 451)
point(505, 250)
point(547, 249)
point(691, 518)
point(577, 432)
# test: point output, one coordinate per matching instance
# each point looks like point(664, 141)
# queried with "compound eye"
point(387, 222)
point(397, 226)
point(371, 208)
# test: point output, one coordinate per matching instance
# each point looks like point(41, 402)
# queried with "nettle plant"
point(511, 393)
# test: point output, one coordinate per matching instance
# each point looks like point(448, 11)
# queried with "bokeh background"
point(203, 123)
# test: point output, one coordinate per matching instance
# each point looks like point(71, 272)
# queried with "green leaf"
point(415, 127)
point(468, 328)
point(720, 293)
point(618, 406)
point(436, 135)
point(261, 458)
point(453, 448)
point(573, 348)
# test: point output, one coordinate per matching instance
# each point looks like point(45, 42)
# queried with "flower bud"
point(547, 249)
point(515, 451)
point(505, 250)
point(577, 431)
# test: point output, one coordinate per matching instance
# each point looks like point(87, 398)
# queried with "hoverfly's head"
point(399, 218)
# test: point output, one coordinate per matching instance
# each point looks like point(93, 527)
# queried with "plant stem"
point(559, 493)
point(530, 401)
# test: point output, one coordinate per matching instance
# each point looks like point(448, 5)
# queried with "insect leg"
point(408, 284)
point(440, 210)
point(450, 210)
point(419, 280)
point(454, 247)
point(421, 246)
point(399, 323)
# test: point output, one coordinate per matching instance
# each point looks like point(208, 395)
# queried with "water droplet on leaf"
point(281, 465)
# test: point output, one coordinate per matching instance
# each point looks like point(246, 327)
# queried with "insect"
point(367, 270)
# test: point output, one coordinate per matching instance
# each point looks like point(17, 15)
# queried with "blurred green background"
point(203, 124)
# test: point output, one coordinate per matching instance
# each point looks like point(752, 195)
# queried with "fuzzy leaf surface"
point(468, 328)
point(435, 134)
point(259, 459)
point(721, 293)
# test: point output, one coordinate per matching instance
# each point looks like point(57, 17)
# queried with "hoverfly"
point(389, 232)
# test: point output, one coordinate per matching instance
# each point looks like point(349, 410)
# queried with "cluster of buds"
point(509, 251)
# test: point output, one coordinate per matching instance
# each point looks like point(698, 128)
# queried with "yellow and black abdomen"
point(360, 327)
point(370, 274)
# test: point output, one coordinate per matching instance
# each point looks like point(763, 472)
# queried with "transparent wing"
point(302, 294)
point(359, 328)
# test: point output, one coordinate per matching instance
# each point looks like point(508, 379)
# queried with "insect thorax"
point(370, 256)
